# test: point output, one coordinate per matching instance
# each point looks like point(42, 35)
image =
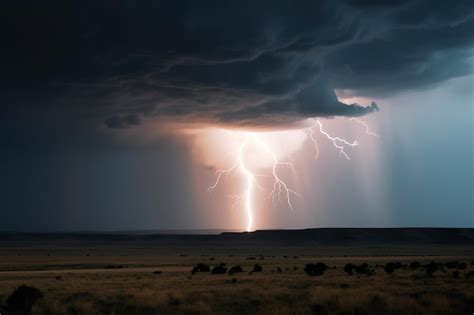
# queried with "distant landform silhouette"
point(304, 237)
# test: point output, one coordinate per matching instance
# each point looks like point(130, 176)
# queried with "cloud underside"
point(241, 63)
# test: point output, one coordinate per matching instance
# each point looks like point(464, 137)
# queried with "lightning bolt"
point(338, 142)
point(281, 190)
point(363, 123)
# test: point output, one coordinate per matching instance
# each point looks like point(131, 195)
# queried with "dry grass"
point(136, 290)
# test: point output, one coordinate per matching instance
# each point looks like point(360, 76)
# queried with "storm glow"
point(251, 155)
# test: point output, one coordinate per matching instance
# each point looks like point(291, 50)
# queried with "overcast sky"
point(94, 97)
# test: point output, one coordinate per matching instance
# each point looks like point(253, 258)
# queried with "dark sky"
point(79, 76)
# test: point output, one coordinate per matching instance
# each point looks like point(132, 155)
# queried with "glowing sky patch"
point(256, 154)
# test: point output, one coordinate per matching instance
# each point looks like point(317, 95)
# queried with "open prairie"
point(130, 274)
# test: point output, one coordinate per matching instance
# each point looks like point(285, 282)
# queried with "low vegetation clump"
point(201, 267)
point(432, 267)
point(391, 267)
point(257, 268)
point(220, 269)
point(414, 265)
point(455, 265)
point(317, 269)
point(349, 269)
point(235, 269)
point(23, 299)
point(364, 269)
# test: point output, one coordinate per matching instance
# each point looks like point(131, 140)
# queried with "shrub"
point(257, 268)
point(315, 269)
point(23, 299)
point(452, 264)
point(349, 268)
point(455, 265)
point(391, 267)
point(201, 267)
point(364, 269)
point(414, 265)
point(219, 269)
point(469, 274)
point(235, 269)
point(432, 267)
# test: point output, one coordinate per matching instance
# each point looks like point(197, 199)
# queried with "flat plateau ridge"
point(304, 237)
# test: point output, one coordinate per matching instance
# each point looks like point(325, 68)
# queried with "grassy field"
point(100, 282)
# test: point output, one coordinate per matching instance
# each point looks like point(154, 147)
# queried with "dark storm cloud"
point(236, 62)
point(122, 121)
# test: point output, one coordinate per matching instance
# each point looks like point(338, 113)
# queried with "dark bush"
point(257, 268)
point(201, 268)
point(157, 272)
point(452, 264)
point(456, 274)
point(364, 269)
point(315, 269)
point(455, 265)
point(58, 277)
point(469, 274)
point(279, 270)
point(391, 267)
point(432, 267)
point(219, 269)
point(23, 299)
point(235, 269)
point(349, 268)
point(414, 265)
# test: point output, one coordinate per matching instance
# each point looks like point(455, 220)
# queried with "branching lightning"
point(337, 141)
point(363, 123)
point(281, 191)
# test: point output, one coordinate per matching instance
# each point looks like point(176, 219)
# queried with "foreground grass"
point(291, 291)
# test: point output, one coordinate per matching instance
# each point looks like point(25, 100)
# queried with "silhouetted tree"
point(23, 299)
point(201, 267)
point(315, 269)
